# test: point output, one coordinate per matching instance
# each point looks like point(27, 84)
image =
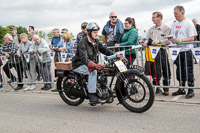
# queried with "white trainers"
point(27, 88)
point(32, 87)
point(1, 89)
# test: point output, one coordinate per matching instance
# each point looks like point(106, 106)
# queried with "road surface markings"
point(176, 98)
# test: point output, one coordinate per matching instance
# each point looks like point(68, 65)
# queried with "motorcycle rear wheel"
point(64, 93)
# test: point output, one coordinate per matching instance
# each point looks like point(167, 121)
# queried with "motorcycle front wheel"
point(137, 95)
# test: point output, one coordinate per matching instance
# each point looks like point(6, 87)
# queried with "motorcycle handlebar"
point(111, 57)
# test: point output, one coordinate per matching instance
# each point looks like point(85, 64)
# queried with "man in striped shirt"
point(9, 49)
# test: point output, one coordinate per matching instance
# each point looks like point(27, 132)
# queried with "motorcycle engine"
point(102, 91)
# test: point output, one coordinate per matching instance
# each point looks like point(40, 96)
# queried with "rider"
point(86, 59)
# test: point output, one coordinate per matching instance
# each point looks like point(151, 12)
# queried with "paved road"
point(42, 112)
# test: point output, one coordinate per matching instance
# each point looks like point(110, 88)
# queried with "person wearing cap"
point(112, 30)
point(81, 34)
point(16, 37)
point(86, 59)
point(64, 30)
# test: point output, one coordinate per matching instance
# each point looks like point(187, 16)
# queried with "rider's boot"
point(93, 99)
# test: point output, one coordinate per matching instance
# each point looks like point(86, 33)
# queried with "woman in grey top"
point(23, 49)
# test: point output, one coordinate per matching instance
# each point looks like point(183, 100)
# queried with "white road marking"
point(176, 98)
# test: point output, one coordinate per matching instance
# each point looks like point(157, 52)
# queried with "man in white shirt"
point(183, 30)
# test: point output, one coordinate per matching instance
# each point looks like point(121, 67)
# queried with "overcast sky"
point(48, 14)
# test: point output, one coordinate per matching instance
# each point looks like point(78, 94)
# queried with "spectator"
point(129, 37)
point(40, 46)
point(61, 43)
point(134, 24)
point(68, 44)
point(81, 34)
point(158, 34)
point(57, 38)
point(64, 30)
point(39, 76)
point(112, 30)
point(31, 31)
point(24, 49)
point(16, 37)
point(30, 37)
point(197, 38)
point(9, 49)
point(183, 30)
point(1, 80)
point(197, 26)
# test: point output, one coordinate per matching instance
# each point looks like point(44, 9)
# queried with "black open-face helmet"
point(92, 27)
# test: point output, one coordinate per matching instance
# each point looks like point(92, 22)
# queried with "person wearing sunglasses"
point(112, 30)
point(81, 34)
point(64, 30)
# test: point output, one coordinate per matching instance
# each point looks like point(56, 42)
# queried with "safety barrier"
point(179, 60)
point(40, 69)
point(29, 69)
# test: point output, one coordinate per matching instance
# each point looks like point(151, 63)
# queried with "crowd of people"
point(114, 34)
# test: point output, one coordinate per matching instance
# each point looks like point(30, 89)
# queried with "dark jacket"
point(87, 52)
point(129, 37)
point(198, 32)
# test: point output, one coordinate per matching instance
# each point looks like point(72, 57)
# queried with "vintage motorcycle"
point(132, 88)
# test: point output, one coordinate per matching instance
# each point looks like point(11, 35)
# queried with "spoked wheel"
point(65, 93)
point(138, 95)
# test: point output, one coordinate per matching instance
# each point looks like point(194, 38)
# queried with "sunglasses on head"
point(113, 16)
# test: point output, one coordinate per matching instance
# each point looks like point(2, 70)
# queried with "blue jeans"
point(92, 77)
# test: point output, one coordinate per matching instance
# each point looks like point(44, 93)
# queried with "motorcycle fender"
point(133, 71)
point(62, 73)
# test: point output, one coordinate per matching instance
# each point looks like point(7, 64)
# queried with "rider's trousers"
point(92, 77)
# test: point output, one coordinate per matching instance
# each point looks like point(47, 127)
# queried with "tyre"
point(64, 92)
point(136, 96)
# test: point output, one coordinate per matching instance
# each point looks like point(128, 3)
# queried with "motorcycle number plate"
point(120, 65)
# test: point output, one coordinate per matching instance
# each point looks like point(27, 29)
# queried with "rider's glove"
point(92, 66)
point(121, 58)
